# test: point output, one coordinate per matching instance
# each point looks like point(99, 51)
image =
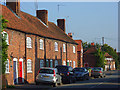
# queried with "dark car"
point(81, 73)
point(67, 73)
point(97, 71)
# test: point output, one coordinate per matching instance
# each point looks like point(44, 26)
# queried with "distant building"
point(79, 53)
point(35, 42)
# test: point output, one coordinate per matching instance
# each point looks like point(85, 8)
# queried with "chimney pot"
point(70, 34)
point(14, 6)
point(61, 24)
point(43, 16)
point(92, 44)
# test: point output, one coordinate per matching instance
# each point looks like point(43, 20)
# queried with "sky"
point(88, 21)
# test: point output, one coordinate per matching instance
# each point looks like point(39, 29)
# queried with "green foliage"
point(100, 61)
point(111, 52)
point(3, 43)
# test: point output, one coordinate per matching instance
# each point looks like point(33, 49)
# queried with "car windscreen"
point(48, 71)
point(62, 69)
point(96, 69)
point(78, 69)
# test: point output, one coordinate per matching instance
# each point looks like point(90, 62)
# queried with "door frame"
point(21, 60)
point(16, 60)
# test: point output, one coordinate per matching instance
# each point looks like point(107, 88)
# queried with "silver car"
point(48, 75)
point(97, 71)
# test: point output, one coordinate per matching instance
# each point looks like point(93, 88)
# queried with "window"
point(63, 47)
point(73, 49)
point(41, 44)
point(64, 62)
point(29, 42)
point(51, 63)
point(70, 63)
point(56, 46)
point(41, 63)
point(7, 66)
point(29, 66)
point(5, 34)
point(73, 64)
point(47, 63)
point(56, 63)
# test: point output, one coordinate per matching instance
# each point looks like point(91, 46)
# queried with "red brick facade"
point(19, 54)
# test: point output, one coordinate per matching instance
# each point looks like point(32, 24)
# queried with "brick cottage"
point(34, 42)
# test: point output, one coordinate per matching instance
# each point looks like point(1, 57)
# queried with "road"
point(111, 82)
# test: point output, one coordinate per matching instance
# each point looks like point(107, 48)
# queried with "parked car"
point(97, 71)
point(48, 75)
point(81, 73)
point(67, 73)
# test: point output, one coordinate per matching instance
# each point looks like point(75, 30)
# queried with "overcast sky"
point(88, 21)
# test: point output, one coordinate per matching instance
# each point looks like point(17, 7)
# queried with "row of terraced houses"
point(34, 42)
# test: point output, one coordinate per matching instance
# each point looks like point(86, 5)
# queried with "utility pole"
point(102, 40)
point(36, 5)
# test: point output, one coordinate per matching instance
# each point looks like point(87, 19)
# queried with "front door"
point(15, 72)
point(20, 73)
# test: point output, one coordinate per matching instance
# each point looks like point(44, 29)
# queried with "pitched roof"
point(90, 50)
point(107, 55)
point(31, 24)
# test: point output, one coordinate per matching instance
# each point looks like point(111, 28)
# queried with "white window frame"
point(7, 66)
point(73, 64)
point(41, 63)
point(7, 38)
point(29, 66)
point(56, 62)
point(64, 62)
point(56, 46)
point(41, 44)
point(64, 49)
point(73, 49)
point(29, 42)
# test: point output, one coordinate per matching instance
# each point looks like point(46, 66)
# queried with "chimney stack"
point(43, 16)
point(92, 44)
point(70, 34)
point(14, 6)
point(61, 24)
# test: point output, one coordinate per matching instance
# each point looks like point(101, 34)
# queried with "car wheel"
point(37, 83)
point(101, 76)
point(54, 84)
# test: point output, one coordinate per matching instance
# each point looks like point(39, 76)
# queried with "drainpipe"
point(66, 53)
point(45, 51)
point(25, 60)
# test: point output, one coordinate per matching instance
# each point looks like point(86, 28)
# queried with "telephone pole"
point(102, 40)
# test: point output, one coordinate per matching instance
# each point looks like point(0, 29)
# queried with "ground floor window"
point(51, 63)
point(56, 63)
point(7, 66)
point(29, 66)
point(41, 63)
point(73, 64)
point(47, 63)
point(64, 63)
point(70, 63)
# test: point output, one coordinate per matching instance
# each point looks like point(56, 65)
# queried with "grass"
point(10, 86)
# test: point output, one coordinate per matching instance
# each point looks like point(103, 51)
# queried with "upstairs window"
point(7, 66)
point(56, 63)
point(74, 64)
point(29, 66)
point(56, 46)
point(64, 48)
point(73, 49)
point(41, 44)
point(5, 34)
point(51, 63)
point(29, 42)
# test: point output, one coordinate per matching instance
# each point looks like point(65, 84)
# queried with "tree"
point(112, 52)
point(3, 43)
point(100, 61)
